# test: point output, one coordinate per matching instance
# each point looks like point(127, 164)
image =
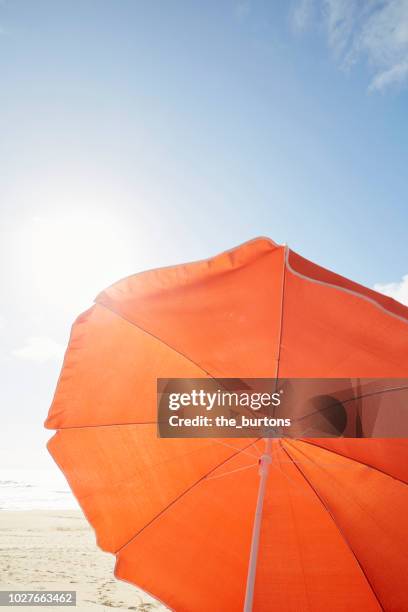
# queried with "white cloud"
point(40, 349)
point(242, 9)
point(302, 15)
point(398, 291)
point(339, 17)
point(374, 32)
point(396, 74)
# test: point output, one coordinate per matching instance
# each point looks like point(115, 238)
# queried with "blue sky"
point(140, 133)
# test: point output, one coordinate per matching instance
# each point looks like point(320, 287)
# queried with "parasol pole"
point(264, 462)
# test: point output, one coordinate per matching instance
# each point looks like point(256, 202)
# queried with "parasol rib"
point(373, 467)
point(326, 507)
point(203, 478)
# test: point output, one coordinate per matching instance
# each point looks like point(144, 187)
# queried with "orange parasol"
point(324, 526)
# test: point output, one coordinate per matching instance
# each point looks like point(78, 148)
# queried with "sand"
point(51, 550)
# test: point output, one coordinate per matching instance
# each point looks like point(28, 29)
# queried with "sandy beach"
point(51, 550)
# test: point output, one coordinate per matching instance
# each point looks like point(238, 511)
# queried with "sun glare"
point(70, 259)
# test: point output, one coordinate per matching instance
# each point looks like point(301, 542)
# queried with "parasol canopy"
point(179, 513)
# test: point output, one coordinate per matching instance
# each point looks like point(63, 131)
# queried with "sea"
point(35, 490)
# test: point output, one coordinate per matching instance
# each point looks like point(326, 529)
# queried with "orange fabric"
point(214, 312)
point(388, 455)
point(110, 371)
point(200, 550)
point(329, 332)
point(120, 497)
point(369, 509)
point(304, 561)
point(179, 513)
